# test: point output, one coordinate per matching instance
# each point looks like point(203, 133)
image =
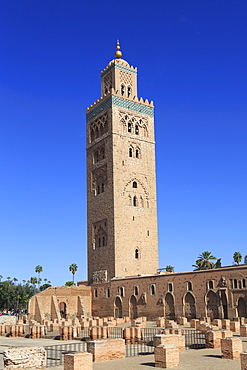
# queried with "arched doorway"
point(224, 304)
point(62, 309)
point(118, 308)
point(169, 307)
point(212, 305)
point(241, 307)
point(189, 306)
point(133, 307)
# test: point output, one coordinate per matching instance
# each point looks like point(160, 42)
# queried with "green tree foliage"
point(38, 270)
point(69, 283)
point(237, 257)
point(218, 263)
point(73, 268)
point(169, 268)
point(15, 296)
point(204, 261)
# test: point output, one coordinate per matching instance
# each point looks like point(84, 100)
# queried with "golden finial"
point(118, 53)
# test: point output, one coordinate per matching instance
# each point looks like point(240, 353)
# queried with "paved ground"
point(203, 359)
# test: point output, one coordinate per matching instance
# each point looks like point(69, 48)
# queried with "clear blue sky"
point(191, 57)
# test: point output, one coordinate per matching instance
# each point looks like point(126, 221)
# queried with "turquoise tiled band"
point(119, 102)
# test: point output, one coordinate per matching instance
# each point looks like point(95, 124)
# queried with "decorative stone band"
point(122, 103)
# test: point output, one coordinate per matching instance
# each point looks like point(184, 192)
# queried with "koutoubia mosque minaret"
point(121, 179)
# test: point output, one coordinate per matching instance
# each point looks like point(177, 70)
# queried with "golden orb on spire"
point(118, 53)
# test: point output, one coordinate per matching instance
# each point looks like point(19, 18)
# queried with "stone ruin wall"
point(151, 305)
point(45, 305)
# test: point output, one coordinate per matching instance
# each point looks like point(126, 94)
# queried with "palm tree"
point(169, 268)
point(204, 262)
point(73, 268)
point(38, 270)
point(237, 257)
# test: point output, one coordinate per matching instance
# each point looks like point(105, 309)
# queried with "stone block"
point(226, 333)
point(243, 330)
point(24, 358)
point(183, 321)
point(166, 355)
point(235, 326)
point(217, 322)
point(231, 348)
point(213, 339)
point(243, 360)
point(225, 324)
point(176, 340)
point(106, 349)
point(78, 361)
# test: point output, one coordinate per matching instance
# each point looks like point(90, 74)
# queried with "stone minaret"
point(121, 182)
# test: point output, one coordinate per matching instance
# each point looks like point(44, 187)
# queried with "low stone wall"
point(8, 319)
point(24, 358)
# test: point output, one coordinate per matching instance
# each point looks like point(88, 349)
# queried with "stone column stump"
point(231, 348)
point(106, 349)
point(166, 355)
point(78, 361)
point(243, 359)
point(243, 330)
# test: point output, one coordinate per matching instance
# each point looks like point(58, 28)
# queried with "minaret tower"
point(121, 181)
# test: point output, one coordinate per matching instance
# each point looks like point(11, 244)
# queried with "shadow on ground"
point(151, 364)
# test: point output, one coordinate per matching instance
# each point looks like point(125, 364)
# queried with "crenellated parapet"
point(114, 97)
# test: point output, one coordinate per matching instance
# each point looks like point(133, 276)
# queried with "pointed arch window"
point(92, 135)
point(135, 201)
point(137, 255)
point(130, 152)
point(137, 153)
point(129, 127)
point(96, 132)
point(134, 184)
point(136, 130)
point(128, 91)
point(122, 89)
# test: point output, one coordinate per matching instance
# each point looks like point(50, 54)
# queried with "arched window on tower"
point(92, 134)
point(96, 133)
point(136, 130)
point(135, 201)
point(130, 152)
point(129, 127)
point(128, 91)
point(137, 253)
point(137, 153)
point(122, 89)
point(134, 184)
point(141, 201)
